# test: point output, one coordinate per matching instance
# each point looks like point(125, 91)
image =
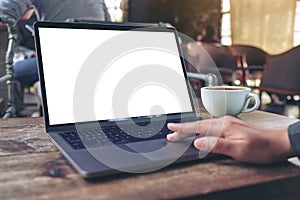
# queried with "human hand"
point(237, 139)
point(28, 13)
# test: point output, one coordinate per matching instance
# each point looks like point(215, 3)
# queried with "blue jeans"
point(25, 74)
point(26, 71)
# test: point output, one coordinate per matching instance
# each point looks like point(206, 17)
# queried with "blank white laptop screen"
point(65, 51)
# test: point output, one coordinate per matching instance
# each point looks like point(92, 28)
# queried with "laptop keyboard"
point(93, 138)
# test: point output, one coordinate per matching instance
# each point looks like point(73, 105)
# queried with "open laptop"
point(108, 91)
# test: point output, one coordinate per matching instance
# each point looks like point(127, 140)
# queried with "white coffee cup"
point(228, 100)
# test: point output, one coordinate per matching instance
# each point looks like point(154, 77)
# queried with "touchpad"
point(161, 148)
point(148, 146)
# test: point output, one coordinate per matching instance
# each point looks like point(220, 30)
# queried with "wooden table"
point(32, 168)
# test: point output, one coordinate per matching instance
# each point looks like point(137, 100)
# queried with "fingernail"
point(171, 126)
point(170, 137)
point(199, 143)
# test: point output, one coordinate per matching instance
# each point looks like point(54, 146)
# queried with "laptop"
point(108, 92)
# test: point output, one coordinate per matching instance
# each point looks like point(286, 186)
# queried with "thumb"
point(213, 145)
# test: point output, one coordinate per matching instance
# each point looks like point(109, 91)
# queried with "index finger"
point(181, 130)
point(211, 127)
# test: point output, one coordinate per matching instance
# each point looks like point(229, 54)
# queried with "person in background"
point(25, 71)
point(56, 10)
point(208, 35)
point(240, 140)
point(25, 41)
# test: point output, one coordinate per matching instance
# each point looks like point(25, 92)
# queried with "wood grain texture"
point(32, 168)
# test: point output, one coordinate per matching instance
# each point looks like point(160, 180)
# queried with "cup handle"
point(256, 105)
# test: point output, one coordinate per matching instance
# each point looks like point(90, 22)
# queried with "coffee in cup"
point(228, 100)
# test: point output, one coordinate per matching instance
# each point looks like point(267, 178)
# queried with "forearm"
point(294, 137)
point(14, 8)
point(242, 141)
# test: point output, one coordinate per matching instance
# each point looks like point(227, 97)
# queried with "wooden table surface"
point(32, 168)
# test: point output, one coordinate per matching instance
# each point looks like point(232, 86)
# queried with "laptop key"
point(113, 135)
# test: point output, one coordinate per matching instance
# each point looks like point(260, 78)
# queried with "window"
point(114, 10)
point(226, 24)
point(297, 25)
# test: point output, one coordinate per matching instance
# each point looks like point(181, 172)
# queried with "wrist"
point(280, 149)
point(284, 139)
point(294, 138)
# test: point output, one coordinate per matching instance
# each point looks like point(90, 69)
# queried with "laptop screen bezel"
point(104, 26)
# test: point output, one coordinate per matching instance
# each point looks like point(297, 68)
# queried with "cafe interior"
point(252, 43)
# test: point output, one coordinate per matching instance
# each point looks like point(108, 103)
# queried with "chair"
point(210, 58)
point(281, 74)
point(8, 77)
point(3, 47)
point(191, 53)
point(224, 64)
point(254, 60)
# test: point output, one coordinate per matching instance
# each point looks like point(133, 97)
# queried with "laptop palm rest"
point(161, 149)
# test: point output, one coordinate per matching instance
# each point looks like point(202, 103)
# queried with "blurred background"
point(270, 29)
